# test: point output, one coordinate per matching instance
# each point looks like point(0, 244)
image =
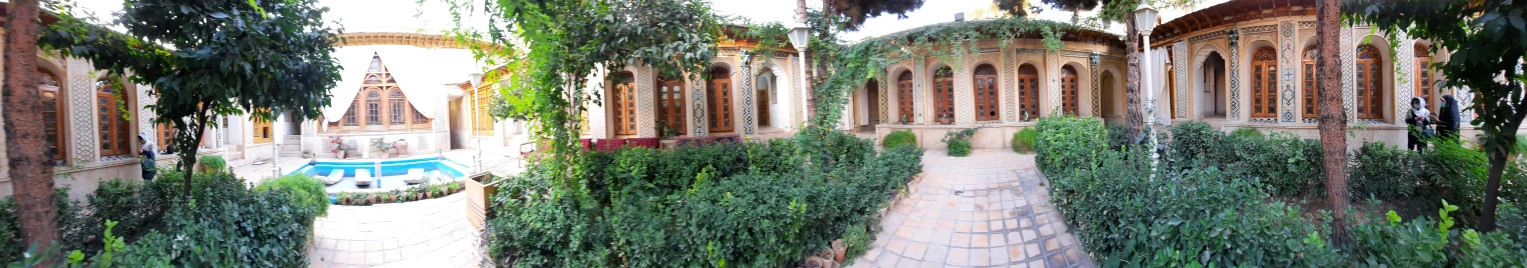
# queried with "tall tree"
point(1333, 122)
point(25, 147)
point(843, 15)
point(1488, 40)
point(232, 57)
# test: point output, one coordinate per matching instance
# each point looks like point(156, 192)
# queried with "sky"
point(400, 15)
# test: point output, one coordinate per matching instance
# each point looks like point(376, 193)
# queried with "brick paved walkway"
point(427, 233)
point(990, 209)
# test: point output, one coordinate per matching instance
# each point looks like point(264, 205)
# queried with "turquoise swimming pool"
point(386, 172)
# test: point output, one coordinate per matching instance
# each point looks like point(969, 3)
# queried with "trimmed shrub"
point(213, 163)
point(959, 141)
point(246, 228)
point(304, 191)
point(1066, 143)
point(1023, 141)
point(74, 228)
point(1192, 140)
point(1246, 132)
point(123, 201)
point(899, 138)
point(1118, 136)
point(959, 148)
point(1383, 171)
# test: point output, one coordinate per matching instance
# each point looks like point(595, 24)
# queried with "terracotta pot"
point(346, 200)
point(374, 199)
point(839, 250)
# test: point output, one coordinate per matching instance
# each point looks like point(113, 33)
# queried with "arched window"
point(904, 97)
point(943, 95)
point(765, 96)
point(1370, 83)
point(719, 100)
point(670, 108)
point(374, 107)
point(1311, 87)
point(1068, 94)
point(112, 126)
point(52, 112)
point(623, 104)
point(1028, 91)
point(396, 107)
point(1264, 83)
point(1424, 78)
point(986, 93)
point(351, 114)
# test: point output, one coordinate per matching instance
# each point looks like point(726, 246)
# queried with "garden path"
point(426, 233)
point(990, 209)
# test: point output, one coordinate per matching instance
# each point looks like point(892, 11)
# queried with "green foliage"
point(1066, 143)
point(899, 138)
point(959, 141)
point(857, 238)
point(699, 206)
point(1023, 140)
point(73, 226)
point(213, 163)
point(1246, 133)
point(125, 202)
point(304, 191)
point(1118, 136)
point(249, 228)
point(1192, 140)
point(1383, 171)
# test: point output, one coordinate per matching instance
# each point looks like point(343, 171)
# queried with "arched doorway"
point(1211, 87)
point(871, 103)
point(1112, 98)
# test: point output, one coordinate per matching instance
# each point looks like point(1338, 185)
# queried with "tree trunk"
point(191, 146)
point(1333, 121)
point(1132, 86)
point(1498, 161)
point(25, 144)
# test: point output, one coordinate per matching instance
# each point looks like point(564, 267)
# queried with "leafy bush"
point(123, 201)
point(857, 238)
point(1023, 141)
point(959, 141)
point(1382, 171)
point(305, 191)
point(213, 163)
point(1066, 143)
point(249, 228)
point(1246, 132)
point(1191, 140)
point(1118, 136)
point(74, 228)
point(899, 138)
point(704, 206)
point(1389, 242)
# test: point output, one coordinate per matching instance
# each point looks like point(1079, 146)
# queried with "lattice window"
point(166, 134)
point(670, 110)
point(396, 108)
point(373, 107)
point(1264, 83)
point(1424, 78)
point(904, 96)
point(112, 126)
point(1311, 86)
point(986, 93)
point(482, 122)
point(52, 112)
point(719, 100)
point(623, 104)
point(351, 114)
point(1069, 99)
point(1370, 83)
point(943, 95)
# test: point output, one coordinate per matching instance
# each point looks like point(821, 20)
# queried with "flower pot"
point(839, 250)
point(375, 199)
point(346, 200)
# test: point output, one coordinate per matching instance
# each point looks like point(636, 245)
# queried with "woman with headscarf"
point(1420, 121)
point(147, 151)
point(1447, 119)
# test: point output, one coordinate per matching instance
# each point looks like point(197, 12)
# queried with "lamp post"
point(799, 36)
point(475, 79)
point(1145, 20)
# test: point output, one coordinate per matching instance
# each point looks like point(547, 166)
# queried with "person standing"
point(1448, 119)
point(1419, 122)
point(147, 151)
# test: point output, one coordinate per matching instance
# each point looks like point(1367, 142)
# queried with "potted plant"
point(395, 196)
point(376, 198)
point(339, 147)
point(383, 147)
point(345, 198)
point(307, 154)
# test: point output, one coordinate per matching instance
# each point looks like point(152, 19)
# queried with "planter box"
point(478, 196)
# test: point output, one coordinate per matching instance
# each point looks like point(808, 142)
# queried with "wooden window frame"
point(985, 93)
point(1028, 92)
point(943, 96)
point(50, 93)
point(1311, 83)
point(1425, 79)
point(623, 104)
point(483, 122)
point(904, 106)
point(373, 108)
point(1070, 102)
point(1370, 82)
point(1264, 83)
point(718, 101)
point(114, 135)
point(670, 109)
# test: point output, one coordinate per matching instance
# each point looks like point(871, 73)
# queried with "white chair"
point(363, 177)
point(334, 177)
point(414, 176)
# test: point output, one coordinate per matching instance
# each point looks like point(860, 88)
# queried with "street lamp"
point(799, 36)
point(1145, 20)
point(475, 79)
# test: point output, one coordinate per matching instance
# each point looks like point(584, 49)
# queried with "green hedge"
point(1066, 143)
point(305, 191)
point(899, 138)
point(1023, 141)
point(744, 205)
point(73, 226)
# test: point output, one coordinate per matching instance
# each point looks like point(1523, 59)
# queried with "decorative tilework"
point(1348, 56)
point(1235, 82)
point(987, 50)
point(1310, 120)
point(884, 96)
point(747, 98)
point(1074, 53)
point(1259, 29)
point(145, 116)
point(964, 110)
point(1009, 76)
point(1307, 25)
point(919, 77)
point(1402, 89)
point(1053, 91)
point(597, 114)
point(1097, 100)
point(1207, 36)
point(697, 107)
point(1264, 120)
point(1180, 62)
point(1030, 51)
point(646, 109)
point(1465, 99)
point(1286, 55)
point(82, 110)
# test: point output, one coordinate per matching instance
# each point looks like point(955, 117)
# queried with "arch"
point(112, 126)
point(373, 107)
point(1070, 101)
point(943, 95)
point(718, 99)
point(1111, 99)
point(764, 86)
point(1425, 78)
point(670, 104)
point(1028, 91)
point(904, 97)
point(1370, 87)
point(1311, 85)
point(1264, 83)
point(984, 90)
point(50, 95)
point(622, 103)
point(1210, 84)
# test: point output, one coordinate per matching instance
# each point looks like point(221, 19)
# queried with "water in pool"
point(390, 174)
